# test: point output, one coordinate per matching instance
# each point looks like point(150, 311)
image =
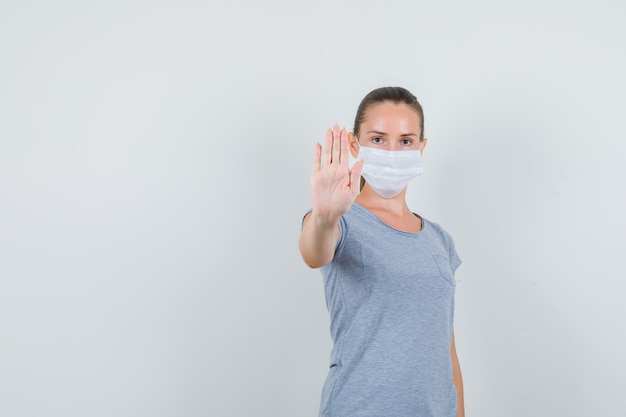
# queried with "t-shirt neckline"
point(372, 215)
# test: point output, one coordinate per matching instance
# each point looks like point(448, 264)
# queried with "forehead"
point(389, 116)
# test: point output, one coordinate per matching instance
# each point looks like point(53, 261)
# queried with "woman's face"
point(389, 126)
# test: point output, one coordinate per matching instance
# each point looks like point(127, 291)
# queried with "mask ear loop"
point(355, 160)
point(421, 149)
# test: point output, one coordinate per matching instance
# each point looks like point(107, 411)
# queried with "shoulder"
point(444, 241)
point(435, 227)
point(438, 231)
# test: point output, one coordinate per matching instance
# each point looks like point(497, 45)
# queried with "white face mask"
point(388, 172)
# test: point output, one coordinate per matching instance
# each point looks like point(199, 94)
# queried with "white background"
point(154, 168)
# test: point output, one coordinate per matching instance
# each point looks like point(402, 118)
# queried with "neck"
point(396, 205)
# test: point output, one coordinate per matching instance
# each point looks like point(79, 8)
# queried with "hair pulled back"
point(393, 94)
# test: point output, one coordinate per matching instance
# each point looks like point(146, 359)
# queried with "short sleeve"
point(304, 217)
point(343, 229)
point(455, 259)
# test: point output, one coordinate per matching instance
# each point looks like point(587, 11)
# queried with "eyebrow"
point(383, 133)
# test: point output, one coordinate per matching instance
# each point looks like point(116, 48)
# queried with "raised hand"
point(333, 185)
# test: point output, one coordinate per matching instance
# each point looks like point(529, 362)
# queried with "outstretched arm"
point(333, 190)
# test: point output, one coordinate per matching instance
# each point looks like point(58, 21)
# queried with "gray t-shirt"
point(390, 295)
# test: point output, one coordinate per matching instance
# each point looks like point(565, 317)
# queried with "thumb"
point(355, 172)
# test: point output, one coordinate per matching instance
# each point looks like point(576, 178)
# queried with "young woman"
point(388, 272)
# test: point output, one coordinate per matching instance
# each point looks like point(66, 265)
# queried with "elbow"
point(313, 259)
point(313, 255)
point(313, 262)
point(311, 265)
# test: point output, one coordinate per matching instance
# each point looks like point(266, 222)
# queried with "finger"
point(326, 151)
point(317, 153)
point(336, 143)
point(355, 176)
point(343, 155)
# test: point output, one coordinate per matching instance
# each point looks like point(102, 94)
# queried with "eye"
point(407, 142)
point(377, 140)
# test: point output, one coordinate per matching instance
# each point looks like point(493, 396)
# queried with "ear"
point(353, 145)
point(423, 145)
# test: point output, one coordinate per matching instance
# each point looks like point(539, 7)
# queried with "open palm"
point(334, 186)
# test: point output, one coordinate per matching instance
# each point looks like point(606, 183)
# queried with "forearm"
point(318, 240)
point(457, 380)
